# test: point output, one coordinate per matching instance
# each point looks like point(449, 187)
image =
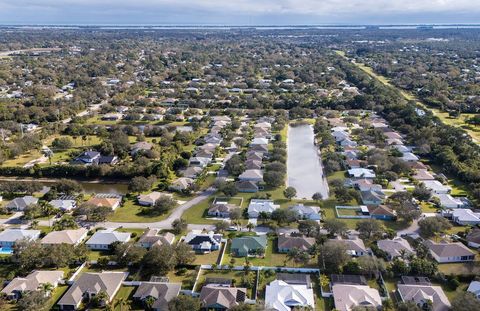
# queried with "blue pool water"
point(6, 250)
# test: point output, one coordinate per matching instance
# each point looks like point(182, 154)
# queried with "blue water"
point(6, 250)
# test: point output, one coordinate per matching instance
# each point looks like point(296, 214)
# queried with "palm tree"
point(46, 288)
point(122, 302)
point(263, 216)
point(34, 224)
point(149, 301)
point(250, 226)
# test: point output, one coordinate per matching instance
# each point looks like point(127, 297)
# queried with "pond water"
point(95, 187)
point(304, 165)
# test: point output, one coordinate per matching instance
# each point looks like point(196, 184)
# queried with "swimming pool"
point(6, 250)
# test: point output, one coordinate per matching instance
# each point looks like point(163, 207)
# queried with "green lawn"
point(132, 212)
point(187, 280)
point(469, 268)
point(126, 294)
point(207, 259)
point(236, 276)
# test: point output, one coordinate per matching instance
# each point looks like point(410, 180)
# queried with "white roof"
point(107, 237)
point(465, 215)
point(262, 206)
point(436, 186)
point(305, 209)
point(348, 296)
point(395, 246)
point(474, 288)
point(259, 141)
point(421, 293)
point(447, 200)
point(64, 205)
point(408, 156)
point(361, 172)
point(281, 296)
point(13, 235)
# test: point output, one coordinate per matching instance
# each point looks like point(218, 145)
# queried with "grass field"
point(131, 212)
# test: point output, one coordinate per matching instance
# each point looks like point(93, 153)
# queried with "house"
point(112, 202)
point(247, 186)
point(221, 209)
point(64, 205)
point(348, 296)
point(199, 161)
point(259, 141)
point(355, 246)
point(365, 185)
point(465, 217)
point(422, 175)
point(259, 148)
point(71, 237)
point(151, 198)
point(397, 247)
point(424, 295)
point(9, 237)
point(19, 204)
point(372, 197)
point(182, 183)
point(103, 239)
point(409, 157)
point(253, 165)
point(16, 287)
point(203, 242)
point(361, 173)
point(381, 212)
point(248, 245)
point(282, 296)
point(251, 175)
point(474, 288)
point(473, 238)
point(447, 201)
point(436, 187)
point(192, 172)
point(449, 252)
point(162, 293)
point(287, 243)
point(151, 238)
point(141, 146)
point(94, 158)
point(257, 206)
point(221, 298)
point(88, 285)
point(307, 211)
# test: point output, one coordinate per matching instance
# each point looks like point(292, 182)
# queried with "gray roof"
point(22, 202)
point(448, 249)
point(109, 282)
point(162, 292)
point(107, 237)
point(32, 281)
point(13, 235)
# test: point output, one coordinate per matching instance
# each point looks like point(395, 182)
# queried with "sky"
point(238, 12)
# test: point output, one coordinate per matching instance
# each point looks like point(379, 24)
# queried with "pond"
point(304, 165)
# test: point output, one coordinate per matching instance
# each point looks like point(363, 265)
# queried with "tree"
point(421, 193)
point(284, 216)
point(221, 226)
point(68, 186)
point(430, 226)
point(465, 301)
point(408, 306)
point(229, 189)
point(62, 143)
point(65, 222)
point(184, 254)
point(369, 228)
point(309, 228)
point(317, 196)
point(263, 217)
point(179, 225)
point(332, 256)
point(371, 266)
point(160, 259)
point(128, 254)
point(421, 266)
point(234, 165)
point(184, 303)
point(163, 205)
point(32, 301)
point(402, 203)
point(273, 179)
point(290, 193)
point(335, 226)
point(141, 184)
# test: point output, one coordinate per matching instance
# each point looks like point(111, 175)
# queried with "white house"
point(9, 237)
point(450, 252)
point(437, 187)
point(474, 288)
point(361, 173)
point(281, 296)
point(307, 211)
point(424, 295)
point(465, 217)
point(103, 239)
point(258, 206)
point(447, 201)
point(64, 205)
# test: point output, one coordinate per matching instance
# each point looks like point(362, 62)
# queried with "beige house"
point(422, 295)
point(31, 282)
point(347, 296)
point(72, 237)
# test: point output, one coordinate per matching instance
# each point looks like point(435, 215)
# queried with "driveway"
point(163, 224)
